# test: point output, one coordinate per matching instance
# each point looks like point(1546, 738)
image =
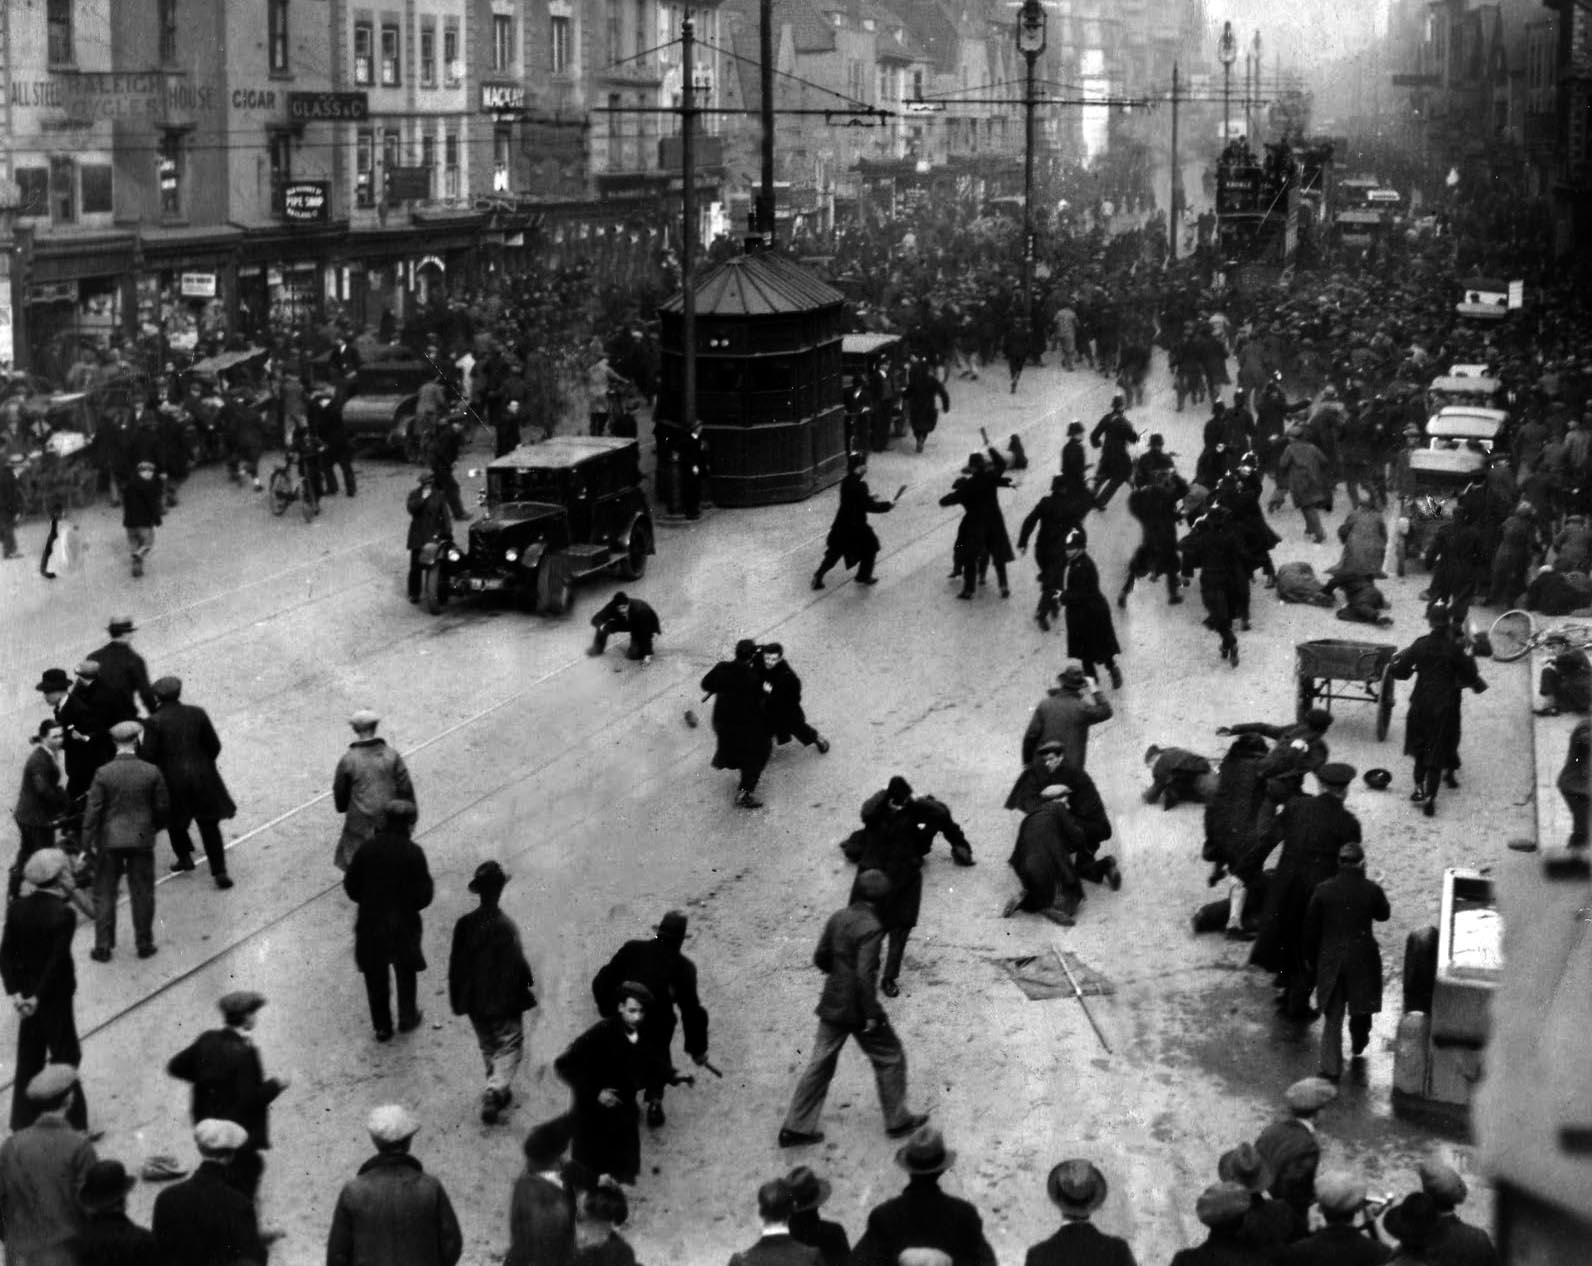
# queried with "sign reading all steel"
point(350, 107)
point(307, 201)
point(497, 97)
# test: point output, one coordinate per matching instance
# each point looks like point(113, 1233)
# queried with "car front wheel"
point(433, 588)
point(633, 566)
point(554, 592)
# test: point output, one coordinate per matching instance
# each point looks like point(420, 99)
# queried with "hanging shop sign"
point(340, 107)
point(197, 285)
point(307, 201)
point(499, 97)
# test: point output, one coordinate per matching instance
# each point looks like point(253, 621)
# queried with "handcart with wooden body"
point(1331, 670)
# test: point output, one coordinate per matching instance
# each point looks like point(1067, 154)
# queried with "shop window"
point(389, 151)
point(428, 153)
point(365, 170)
point(502, 42)
point(559, 44)
point(168, 31)
point(63, 190)
point(450, 165)
point(279, 149)
point(96, 183)
point(58, 21)
point(452, 67)
point(500, 160)
point(276, 35)
point(35, 185)
point(389, 56)
point(363, 34)
point(428, 56)
point(171, 169)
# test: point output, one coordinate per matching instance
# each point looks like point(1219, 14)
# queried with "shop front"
point(186, 288)
point(287, 275)
point(77, 296)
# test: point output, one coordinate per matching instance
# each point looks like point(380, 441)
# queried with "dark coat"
point(391, 882)
point(1221, 1248)
point(777, 1250)
point(1055, 515)
point(229, 1083)
point(541, 1223)
point(1303, 467)
point(983, 528)
point(603, 1058)
point(671, 978)
point(892, 842)
point(1335, 1246)
point(782, 704)
point(1091, 636)
point(429, 517)
point(36, 949)
point(1080, 1244)
point(393, 1213)
point(88, 712)
point(923, 393)
point(180, 742)
point(829, 1238)
point(112, 1239)
point(1364, 537)
point(1340, 940)
point(849, 535)
point(1312, 829)
point(1074, 462)
point(923, 1216)
point(1458, 1243)
point(488, 975)
point(639, 620)
point(125, 676)
point(1042, 856)
point(205, 1221)
point(1232, 814)
point(1112, 435)
point(1441, 668)
point(848, 955)
point(143, 501)
point(41, 798)
point(738, 718)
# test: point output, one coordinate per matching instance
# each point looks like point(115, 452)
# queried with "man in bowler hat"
point(122, 670)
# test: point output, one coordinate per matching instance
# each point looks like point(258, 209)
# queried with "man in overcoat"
point(739, 721)
point(923, 1216)
point(1055, 515)
point(1078, 1188)
point(783, 701)
point(42, 1167)
point(923, 393)
point(88, 711)
point(848, 955)
point(1112, 435)
point(850, 538)
point(1155, 505)
point(429, 520)
point(41, 799)
point(1340, 945)
point(1065, 715)
point(143, 506)
point(180, 741)
point(127, 804)
point(1303, 468)
point(981, 536)
point(1442, 668)
point(368, 776)
point(123, 673)
point(390, 882)
point(392, 1211)
point(1091, 636)
point(229, 1084)
point(775, 1246)
point(542, 1202)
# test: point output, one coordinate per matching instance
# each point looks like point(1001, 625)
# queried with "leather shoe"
point(223, 881)
point(822, 744)
point(182, 864)
point(910, 1126)
point(100, 955)
point(867, 580)
point(1114, 877)
point(799, 1138)
point(409, 1024)
point(384, 1035)
point(889, 989)
point(963, 857)
point(149, 951)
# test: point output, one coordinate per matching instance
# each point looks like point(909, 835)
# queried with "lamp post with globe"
point(1030, 43)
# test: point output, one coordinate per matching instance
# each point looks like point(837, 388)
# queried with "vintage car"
point(556, 512)
point(381, 410)
point(1459, 439)
point(1462, 391)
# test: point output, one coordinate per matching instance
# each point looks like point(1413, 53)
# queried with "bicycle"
point(288, 484)
point(1515, 634)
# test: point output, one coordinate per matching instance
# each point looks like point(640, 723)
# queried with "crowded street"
point(589, 781)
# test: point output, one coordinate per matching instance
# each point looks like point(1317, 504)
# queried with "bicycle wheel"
point(279, 492)
point(1512, 636)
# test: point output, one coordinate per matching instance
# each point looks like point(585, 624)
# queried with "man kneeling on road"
point(625, 614)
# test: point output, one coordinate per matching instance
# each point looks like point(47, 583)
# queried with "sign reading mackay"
point(502, 96)
point(308, 107)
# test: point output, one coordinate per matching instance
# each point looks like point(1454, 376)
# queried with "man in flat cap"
point(369, 775)
point(36, 967)
point(671, 977)
point(490, 981)
point(848, 955)
point(390, 881)
point(1078, 1188)
point(1312, 829)
point(205, 1219)
point(1340, 947)
point(42, 1168)
point(1340, 1196)
point(923, 1216)
point(143, 507)
point(127, 804)
point(1221, 1207)
point(180, 741)
point(109, 1237)
point(1292, 1150)
point(393, 1207)
point(122, 671)
point(229, 1083)
point(1453, 1242)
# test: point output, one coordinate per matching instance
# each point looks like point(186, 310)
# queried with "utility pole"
point(1030, 43)
point(688, 114)
point(1227, 52)
point(1174, 220)
point(764, 219)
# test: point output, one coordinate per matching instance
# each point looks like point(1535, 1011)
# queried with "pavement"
point(584, 779)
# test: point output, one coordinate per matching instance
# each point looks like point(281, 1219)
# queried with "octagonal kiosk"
point(768, 376)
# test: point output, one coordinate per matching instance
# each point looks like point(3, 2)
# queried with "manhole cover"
point(1041, 976)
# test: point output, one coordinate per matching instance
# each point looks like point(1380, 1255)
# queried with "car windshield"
point(516, 483)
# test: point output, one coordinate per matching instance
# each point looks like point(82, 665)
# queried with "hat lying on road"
point(1378, 779)
point(161, 1167)
point(126, 732)
point(51, 1082)
point(1076, 1187)
point(391, 1123)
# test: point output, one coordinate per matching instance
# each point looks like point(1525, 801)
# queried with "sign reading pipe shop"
point(307, 201)
point(344, 107)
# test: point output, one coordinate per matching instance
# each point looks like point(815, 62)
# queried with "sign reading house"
point(342, 107)
point(307, 201)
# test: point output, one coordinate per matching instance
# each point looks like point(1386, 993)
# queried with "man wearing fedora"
point(369, 775)
point(42, 1168)
point(1065, 715)
point(1078, 1188)
point(1454, 1242)
point(1340, 1197)
point(849, 1007)
point(205, 1219)
point(1340, 946)
point(1269, 1224)
point(180, 741)
point(229, 1082)
point(393, 1212)
point(122, 671)
point(776, 1246)
point(127, 804)
point(143, 510)
point(41, 799)
point(808, 1192)
point(490, 981)
point(923, 1216)
point(36, 967)
point(108, 1236)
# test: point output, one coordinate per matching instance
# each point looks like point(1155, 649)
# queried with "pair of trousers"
point(833, 556)
point(209, 836)
point(329, 468)
point(884, 1051)
point(1312, 518)
point(48, 1036)
point(376, 991)
point(1104, 490)
point(138, 864)
point(33, 839)
point(502, 1043)
point(1333, 1009)
point(895, 949)
point(140, 540)
point(640, 643)
point(8, 535)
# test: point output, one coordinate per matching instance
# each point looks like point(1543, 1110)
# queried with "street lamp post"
point(1227, 53)
point(11, 296)
point(1030, 43)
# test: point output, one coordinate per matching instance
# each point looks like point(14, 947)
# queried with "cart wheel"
point(1511, 635)
point(279, 492)
point(432, 589)
point(1384, 704)
point(1420, 970)
point(1307, 695)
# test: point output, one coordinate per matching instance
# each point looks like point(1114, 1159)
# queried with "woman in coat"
point(981, 537)
point(1303, 468)
point(389, 879)
point(1442, 668)
point(605, 1068)
point(180, 741)
point(1091, 636)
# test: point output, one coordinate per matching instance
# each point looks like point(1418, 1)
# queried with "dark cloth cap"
point(547, 1142)
point(1414, 1220)
point(167, 688)
point(106, 1182)
point(898, 786)
point(633, 989)
point(489, 874)
point(1318, 719)
point(745, 648)
point(240, 1003)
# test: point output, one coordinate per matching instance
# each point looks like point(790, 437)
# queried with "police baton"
point(899, 491)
